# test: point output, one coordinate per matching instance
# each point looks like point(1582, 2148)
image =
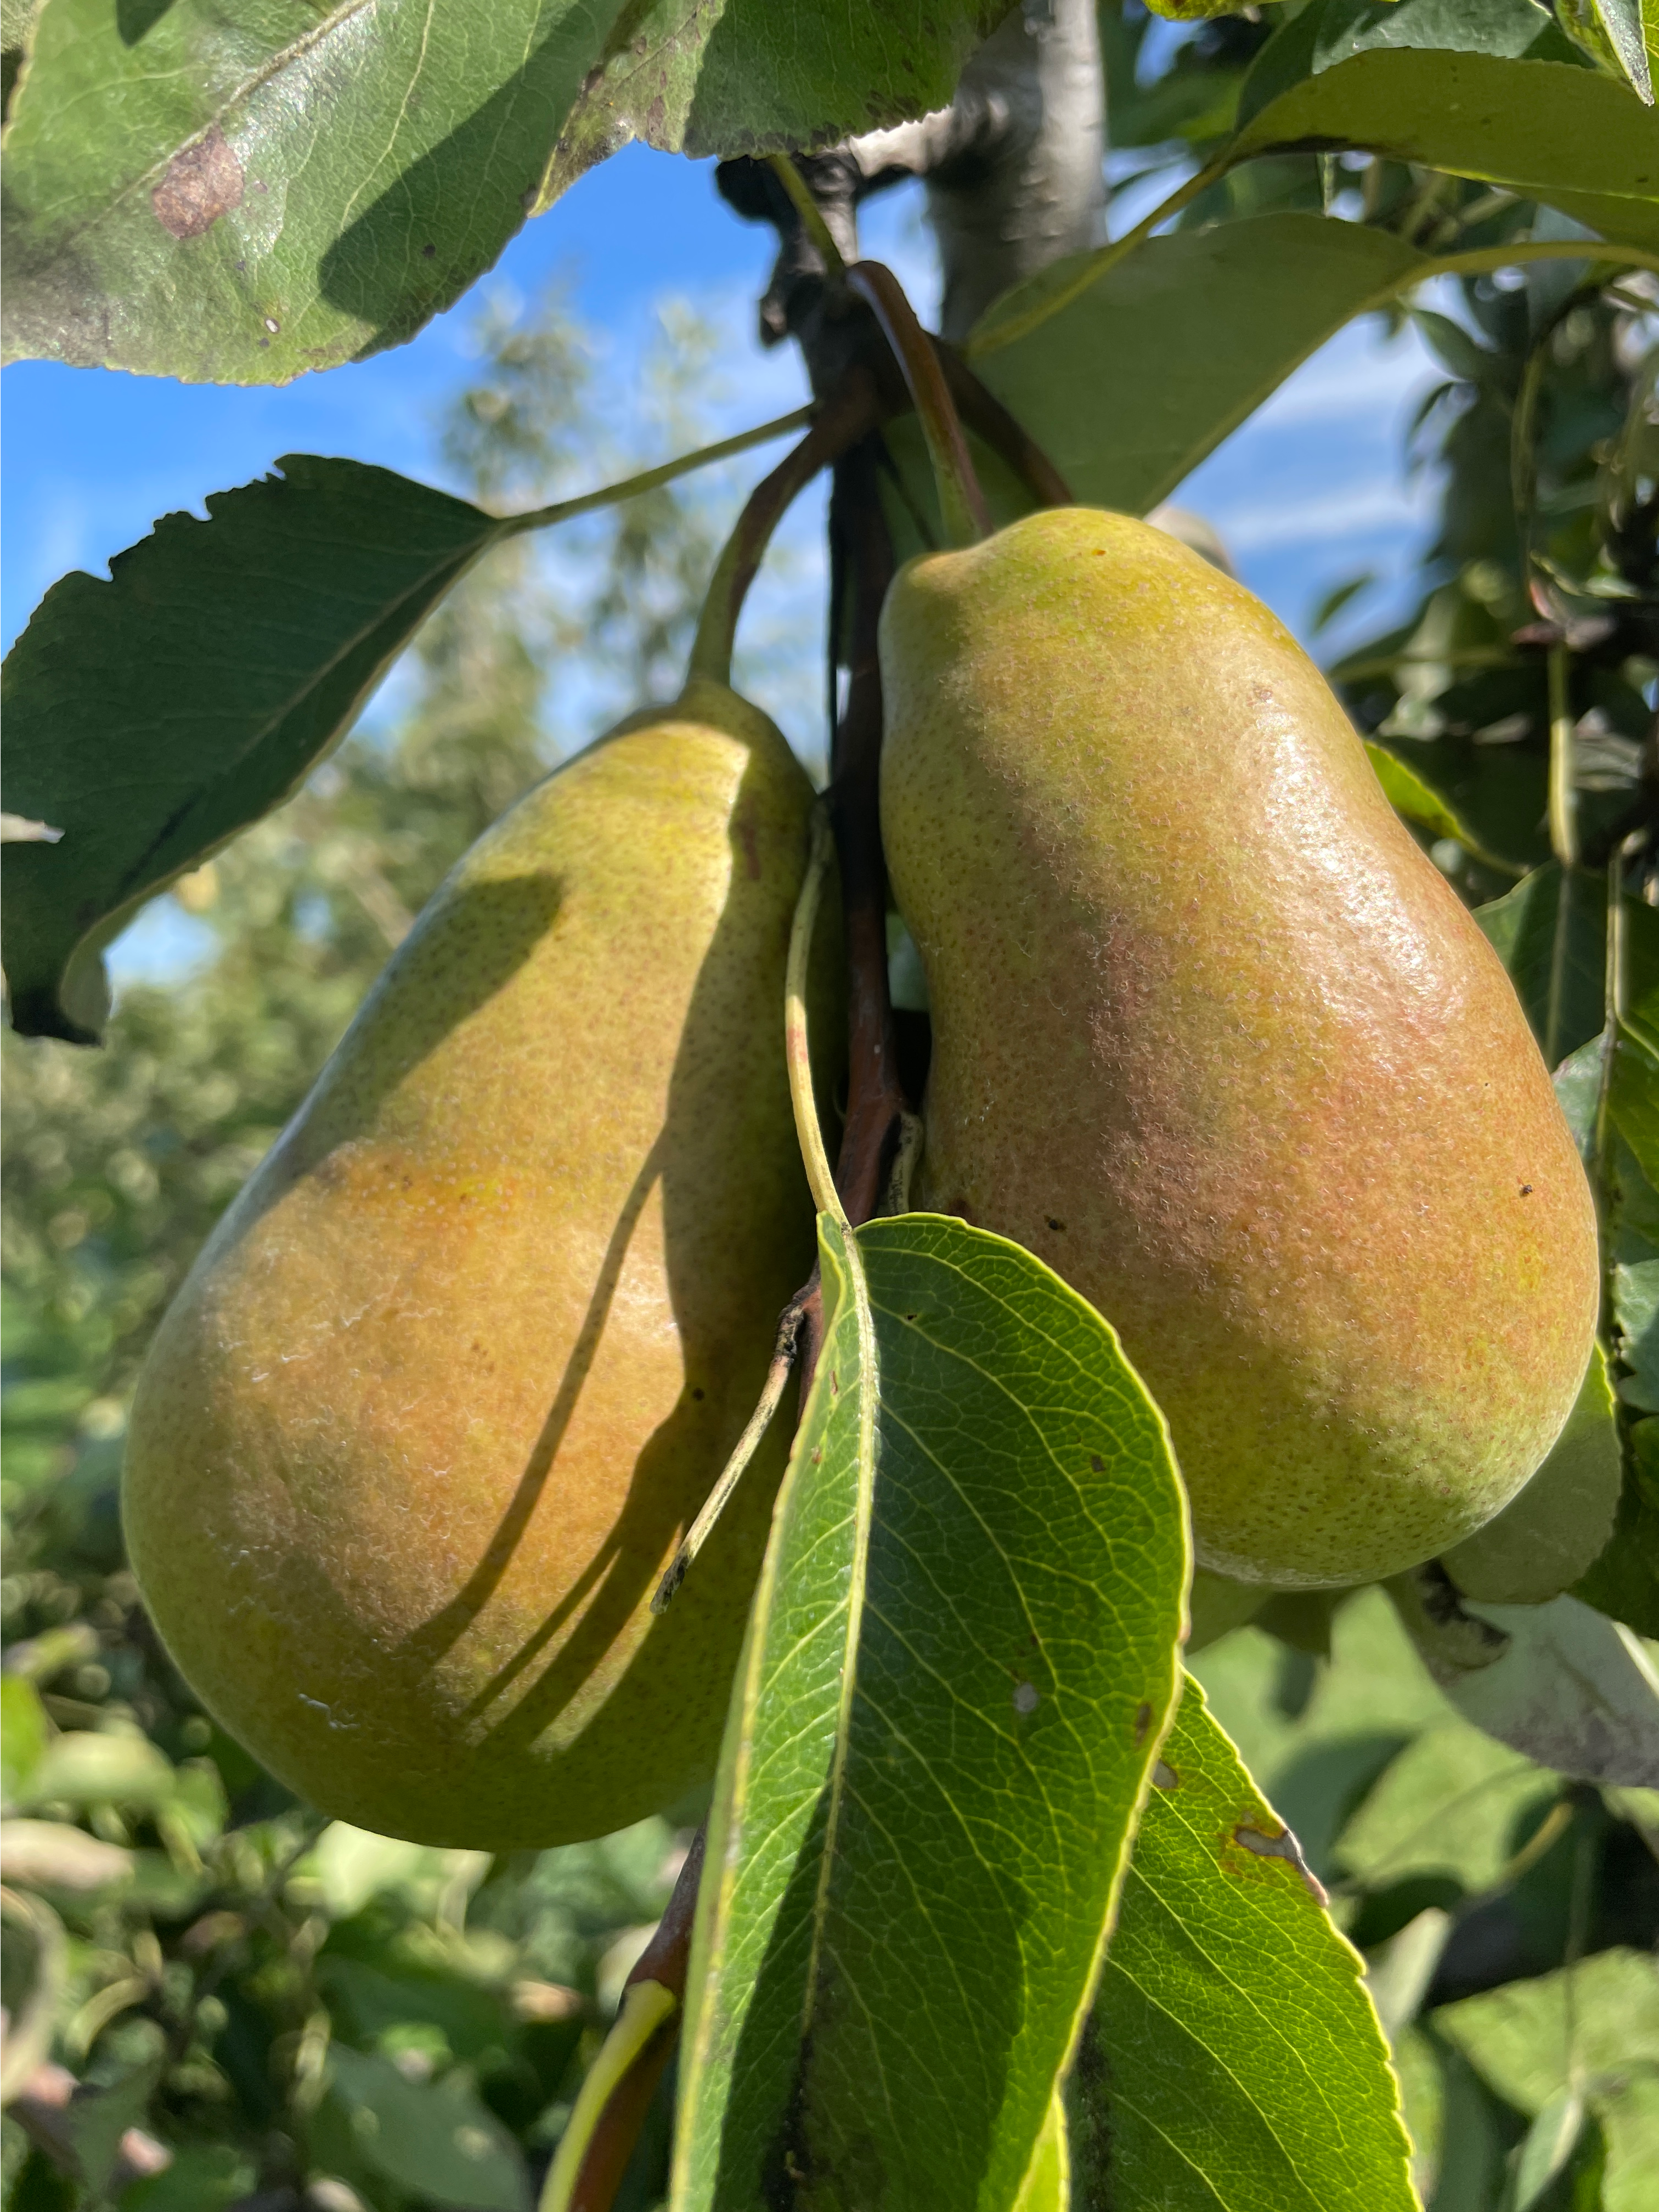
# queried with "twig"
point(962, 503)
point(566, 510)
point(797, 1044)
point(599, 2141)
point(876, 1102)
point(846, 416)
point(812, 215)
point(777, 1377)
point(985, 414)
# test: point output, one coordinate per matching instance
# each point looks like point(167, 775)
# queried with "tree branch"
point(1014, 170)
point(876, 1101)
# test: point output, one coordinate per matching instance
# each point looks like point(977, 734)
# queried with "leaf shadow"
point(136, 19)
point(405, 258)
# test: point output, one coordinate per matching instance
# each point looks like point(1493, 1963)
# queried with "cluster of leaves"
point(892, 1742)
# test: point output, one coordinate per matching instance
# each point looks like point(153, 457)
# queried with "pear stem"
point(796, 1045)
point(846, 416)
point(962, 503)
point(566, 510)
point(812, 215)
point(771, 1396)
point(599, 2137)
point(989, 420)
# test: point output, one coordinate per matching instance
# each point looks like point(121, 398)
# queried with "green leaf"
point(1577, 1083)
point(239, 192)
point(1550, 932)
point(1411, 797)
point(1560, 1682)
point(246, 192)
point(1136, 373)
point(201, 2177)
point(1593, 2025)
point(23, 1735)
point(1048, 2184)
point(1633, 1096)
point(151, 717)
point(1452, 1804)
point(1548, 2148)
point(1464, 89)
point(1456, 2126)
point(959, 1660)
point(1193, 11)
point(97, 2123)
point(765, 76)
point(1497, 792)
point(86, 1767)
point(1367, 1705)
point(1611, 31)
point(1624, 1582)
point(1553, 1530)
point(1232, 2058)
point(434, 2139)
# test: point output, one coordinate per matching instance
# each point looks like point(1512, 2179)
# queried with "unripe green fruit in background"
point(1213, 1037)
point(429, 1417)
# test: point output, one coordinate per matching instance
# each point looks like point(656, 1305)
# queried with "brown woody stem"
point(962, 503)
point(986, 416)
point(594, 2153)
point(876, 1102)
point(847, 415)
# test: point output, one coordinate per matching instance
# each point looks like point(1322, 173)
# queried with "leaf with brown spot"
point(203, 182)
point(1232, 2060)
point(243, 193)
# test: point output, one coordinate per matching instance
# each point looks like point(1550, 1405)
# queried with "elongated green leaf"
point(151, 717)
point(1549, 931)
point(1048, 2184)
point(242, 190)
point(1232, 2059)
point(1594, 2028)
point(1633, 1096)
point(1497, 793)
point(1450, 1808)
point(1623, 1582)
point(1560, 1682)
point(758, 75)
point(1132, 381)
point(1128, 368)
point(1418, 802)
point(958, 1666)
point(1488, 89)
point(1553, 1531)
point(1611, 31)
point(437, 2140)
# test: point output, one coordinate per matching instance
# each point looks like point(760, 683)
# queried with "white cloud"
point(1352, 512)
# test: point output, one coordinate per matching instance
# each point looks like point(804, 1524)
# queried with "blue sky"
point(1310, 490)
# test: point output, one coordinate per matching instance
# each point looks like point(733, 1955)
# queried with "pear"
point(429, 1416)
point(1214, 1038)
